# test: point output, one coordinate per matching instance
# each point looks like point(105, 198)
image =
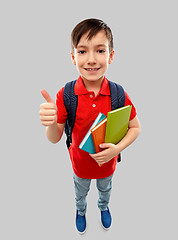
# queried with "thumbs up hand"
point(48, 110)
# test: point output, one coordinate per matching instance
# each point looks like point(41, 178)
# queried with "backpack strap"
point(117, 100)
point(117, 95)
point(70, 102)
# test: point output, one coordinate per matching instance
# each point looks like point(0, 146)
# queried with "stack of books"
point(107, 130)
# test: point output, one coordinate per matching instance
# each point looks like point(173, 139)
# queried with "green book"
point(117, 124)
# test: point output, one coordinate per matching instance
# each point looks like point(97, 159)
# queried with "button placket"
point(93, 104)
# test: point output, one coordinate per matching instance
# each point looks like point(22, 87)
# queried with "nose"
point(91, 58)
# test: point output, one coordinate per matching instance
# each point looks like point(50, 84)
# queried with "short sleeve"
point(129, 102)
point(61, 110)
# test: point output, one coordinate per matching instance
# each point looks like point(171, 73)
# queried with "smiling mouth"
point(92, 69)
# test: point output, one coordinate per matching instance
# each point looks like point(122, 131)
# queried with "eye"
point(101, 51)
point(81, 52)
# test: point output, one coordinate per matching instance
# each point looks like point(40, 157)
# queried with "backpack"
point(71, 101)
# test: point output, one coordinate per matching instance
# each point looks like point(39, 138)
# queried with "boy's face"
point(92, 56)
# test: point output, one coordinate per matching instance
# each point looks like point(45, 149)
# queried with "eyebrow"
point(99, 45)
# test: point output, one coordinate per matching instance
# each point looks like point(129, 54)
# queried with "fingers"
point(46, 96)
point(48, 106)
point(105, 145)
point(48, 122)
point(48, 116)
point(47, 112)
point(98, 157)
point(109, 151)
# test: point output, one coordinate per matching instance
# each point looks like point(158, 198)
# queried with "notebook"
point(117, 124)
point(87, 143)
point(98, 134)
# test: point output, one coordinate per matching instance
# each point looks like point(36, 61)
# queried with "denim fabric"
point(82, 186)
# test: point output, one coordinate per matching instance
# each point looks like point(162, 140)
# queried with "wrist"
point(118, 149)
point(53, 133)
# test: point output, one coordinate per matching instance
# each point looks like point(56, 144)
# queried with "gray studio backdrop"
point(36, 186)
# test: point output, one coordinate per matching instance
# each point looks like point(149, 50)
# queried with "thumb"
point(46, 96)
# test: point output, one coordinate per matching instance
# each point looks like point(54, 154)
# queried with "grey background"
point(36, 186)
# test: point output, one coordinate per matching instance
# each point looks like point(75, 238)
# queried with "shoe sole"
point(81, 233)
point(106, 229)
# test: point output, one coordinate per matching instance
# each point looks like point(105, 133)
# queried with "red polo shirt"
point(88, 109)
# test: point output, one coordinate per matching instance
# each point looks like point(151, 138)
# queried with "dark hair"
point(92, 26)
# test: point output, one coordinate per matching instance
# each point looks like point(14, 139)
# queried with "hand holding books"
point(107, 130)
point(108, 152)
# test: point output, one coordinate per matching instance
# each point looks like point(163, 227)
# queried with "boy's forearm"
point(130, 137)
point(54, 133)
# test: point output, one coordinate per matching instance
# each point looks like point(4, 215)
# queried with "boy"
point(92, 52)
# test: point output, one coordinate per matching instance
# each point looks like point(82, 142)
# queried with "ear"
point(111, 56)
point(73, 57)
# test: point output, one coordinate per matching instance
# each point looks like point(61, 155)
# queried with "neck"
point(93, 86)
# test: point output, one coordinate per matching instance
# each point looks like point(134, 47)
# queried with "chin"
point(92, 78)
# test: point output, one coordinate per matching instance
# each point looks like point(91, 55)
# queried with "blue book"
point(87, 143)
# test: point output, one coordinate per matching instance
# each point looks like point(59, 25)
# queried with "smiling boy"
point(92, 52)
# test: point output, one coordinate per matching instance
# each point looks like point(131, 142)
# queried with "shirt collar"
point(80, 88)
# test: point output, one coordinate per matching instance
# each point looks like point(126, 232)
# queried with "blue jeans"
point(82, 186)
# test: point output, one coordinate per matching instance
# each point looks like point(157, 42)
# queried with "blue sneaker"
point(80, 223)
point(106, 219)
